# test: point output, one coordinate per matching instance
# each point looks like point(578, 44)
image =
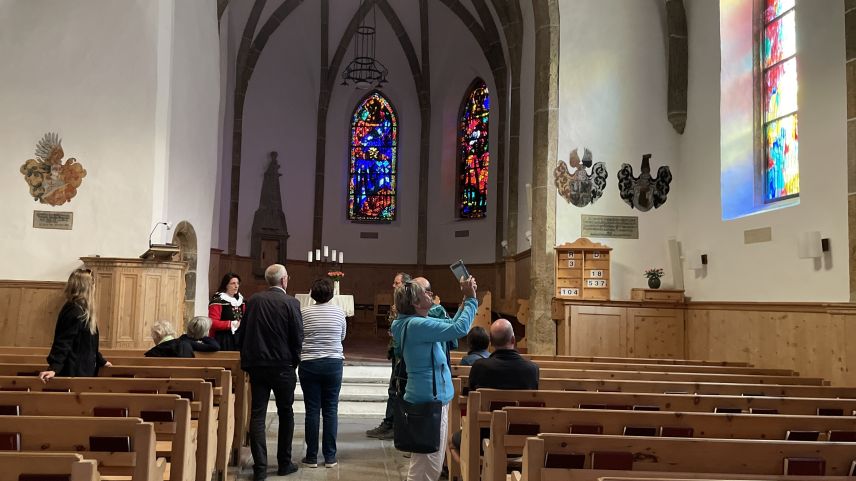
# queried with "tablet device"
point(459, 270)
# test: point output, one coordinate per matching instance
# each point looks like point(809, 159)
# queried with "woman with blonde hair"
point(75, 346)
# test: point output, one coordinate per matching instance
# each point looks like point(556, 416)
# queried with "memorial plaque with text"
point(615, 226)
point(52, 220)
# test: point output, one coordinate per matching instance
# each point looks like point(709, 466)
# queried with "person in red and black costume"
point(226, 310)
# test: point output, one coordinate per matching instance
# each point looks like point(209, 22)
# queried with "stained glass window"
point(374, 158)
point(779, 85)
point(473, 154)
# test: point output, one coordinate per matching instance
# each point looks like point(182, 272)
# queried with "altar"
point(346, 302)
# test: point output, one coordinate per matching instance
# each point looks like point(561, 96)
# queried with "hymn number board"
point(582, 270)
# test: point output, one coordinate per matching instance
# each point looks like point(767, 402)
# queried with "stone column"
point(850, 44)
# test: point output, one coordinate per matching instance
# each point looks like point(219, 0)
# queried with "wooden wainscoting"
point(28, 311)
point(811, 338)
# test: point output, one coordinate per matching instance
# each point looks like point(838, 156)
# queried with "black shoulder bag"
point(417, 426)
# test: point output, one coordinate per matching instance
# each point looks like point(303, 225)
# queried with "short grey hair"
point(198, 327)
point(274, 274)
point(406, 296)
point(162, 329)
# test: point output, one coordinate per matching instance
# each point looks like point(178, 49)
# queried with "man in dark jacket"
point(272, 337)
point(504, 369)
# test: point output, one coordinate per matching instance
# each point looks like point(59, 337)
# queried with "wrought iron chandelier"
point(365, 71)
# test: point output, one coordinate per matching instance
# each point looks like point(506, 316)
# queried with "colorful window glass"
point(473, 154)
point(374, 159)
point(779, 85)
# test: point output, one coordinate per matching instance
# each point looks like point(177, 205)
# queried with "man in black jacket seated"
point(272, 337)
point(504, 369)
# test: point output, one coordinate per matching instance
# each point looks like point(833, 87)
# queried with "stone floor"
point(360, 458)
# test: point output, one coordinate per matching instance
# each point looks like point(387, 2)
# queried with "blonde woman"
point(75, 347)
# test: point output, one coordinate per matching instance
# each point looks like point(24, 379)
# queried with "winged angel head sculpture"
point(51, 181)
point(580, 188)
point(644, 192)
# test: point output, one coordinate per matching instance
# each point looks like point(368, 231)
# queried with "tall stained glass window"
point(779, 87)
point(374, 158)
point(473, 154)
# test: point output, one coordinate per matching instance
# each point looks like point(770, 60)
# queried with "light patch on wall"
point(755, 236)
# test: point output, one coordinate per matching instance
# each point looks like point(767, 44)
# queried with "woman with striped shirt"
point(320, 371)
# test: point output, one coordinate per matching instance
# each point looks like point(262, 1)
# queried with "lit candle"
point(326, 252)
point(310, 256)
point(318, 254)
point(334, 255)
point(341, 257)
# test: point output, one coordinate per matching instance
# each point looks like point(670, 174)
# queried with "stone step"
point(363, 393)
point(367, 392)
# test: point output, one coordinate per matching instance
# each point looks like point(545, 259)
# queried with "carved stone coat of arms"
point(51, 180)
point(580, 187)
point(644, 192)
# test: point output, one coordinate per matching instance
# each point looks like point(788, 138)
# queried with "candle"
point(334, 255)
point(318, 254)
point(341, 257)
point(326, 253)
point(310, 256)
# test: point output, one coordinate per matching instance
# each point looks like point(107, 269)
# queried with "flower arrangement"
point(336, 275)
point(654, 273)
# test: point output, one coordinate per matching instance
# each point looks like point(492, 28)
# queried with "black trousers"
point(281, 381)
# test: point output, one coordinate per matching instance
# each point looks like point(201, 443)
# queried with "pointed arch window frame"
point(393, 174)
point(762, 22)
point(460, 161)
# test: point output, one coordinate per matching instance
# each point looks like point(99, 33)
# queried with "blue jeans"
point(321, 380)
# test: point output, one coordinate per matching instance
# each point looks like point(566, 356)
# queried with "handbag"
point(416, 426)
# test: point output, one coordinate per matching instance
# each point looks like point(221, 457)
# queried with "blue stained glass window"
point(373, 160)
point(473, 152)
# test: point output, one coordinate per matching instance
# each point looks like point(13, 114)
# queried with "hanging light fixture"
point(365, 71)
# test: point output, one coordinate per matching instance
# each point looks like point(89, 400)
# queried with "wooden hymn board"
point(582, 270)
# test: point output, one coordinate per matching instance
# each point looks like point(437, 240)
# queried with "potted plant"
point(654, 274)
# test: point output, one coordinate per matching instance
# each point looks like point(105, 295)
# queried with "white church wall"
point(612, 100)
point(769, 271)
point(193, 127)
point(280, 115)
point(87, 70)
point(527, 114)
point(456, 60)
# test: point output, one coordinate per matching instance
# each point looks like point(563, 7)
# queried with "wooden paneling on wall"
point(28, 311)
point(811, 338)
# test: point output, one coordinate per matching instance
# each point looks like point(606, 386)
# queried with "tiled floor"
point(360, 458)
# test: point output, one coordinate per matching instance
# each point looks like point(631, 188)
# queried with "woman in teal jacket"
point(424, 337)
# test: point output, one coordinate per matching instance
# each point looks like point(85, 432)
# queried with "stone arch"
point(184, 236)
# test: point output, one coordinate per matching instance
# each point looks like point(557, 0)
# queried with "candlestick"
point(341, 257)
point(318, 254)
point(326, 253)
point(310, 256)
point(334, 255)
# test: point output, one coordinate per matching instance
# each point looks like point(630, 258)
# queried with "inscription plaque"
point(615, 226)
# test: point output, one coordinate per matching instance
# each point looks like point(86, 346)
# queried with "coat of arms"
point(644, 192)
point(51, 181)
point(580, 188)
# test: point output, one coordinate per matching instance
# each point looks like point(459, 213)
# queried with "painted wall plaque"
point(51, 180)
point(580, 188)
point(52, 220)
point(644, 192)
point(615, 226)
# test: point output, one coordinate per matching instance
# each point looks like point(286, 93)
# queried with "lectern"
point(133, 293)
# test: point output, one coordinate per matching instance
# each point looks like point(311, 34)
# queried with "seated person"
point(504, 369)
point(477, 340)
point(166, 345)
point(197, 330)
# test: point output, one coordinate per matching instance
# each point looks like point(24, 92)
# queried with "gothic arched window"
point(373, 160)
point(779, 108)
point(473, 152)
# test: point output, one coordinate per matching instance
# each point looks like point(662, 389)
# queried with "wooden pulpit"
point(131, 294)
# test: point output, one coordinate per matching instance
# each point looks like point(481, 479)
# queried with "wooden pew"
point(665, 376)
point(169, 414)
point(457, 355)
point(562, 457)
point(222, 396)
point(201, 405)
point(135, 357)
point(480, 403)
point(36, 466)
point(121, 446)
point(510, 426)
point(614, 366)
point(661, 476)
point(670, 387)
